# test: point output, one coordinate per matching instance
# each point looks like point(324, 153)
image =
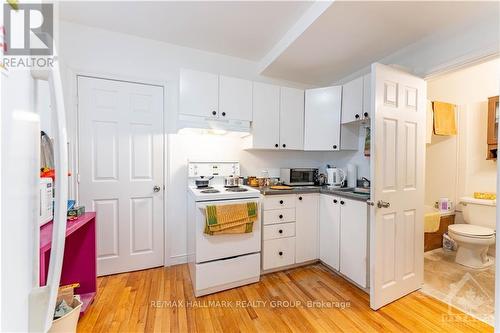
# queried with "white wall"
point(457, 165)
point(105, 53)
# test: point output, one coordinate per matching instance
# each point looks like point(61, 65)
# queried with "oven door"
point(208, 247)
point(302, 176)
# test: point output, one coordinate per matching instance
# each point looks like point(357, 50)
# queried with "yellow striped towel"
point(230, 219)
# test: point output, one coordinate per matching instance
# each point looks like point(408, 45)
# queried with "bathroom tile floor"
point(472, 291)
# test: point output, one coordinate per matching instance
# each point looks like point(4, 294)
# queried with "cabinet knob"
point(356, 116)
point(365, 114)
point(280, 253)
point(335, 201)
point(284, 145)
point(214, 113)
point(276, 145)
point(281, 202)
point(334, 146)
point(281, 216)
point(300, 198)
point(280, 231)
point(223, 114)
point(342, 202)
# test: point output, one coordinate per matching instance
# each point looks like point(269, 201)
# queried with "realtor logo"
point(28, 29)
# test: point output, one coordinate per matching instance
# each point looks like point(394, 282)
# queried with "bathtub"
point(434, 240)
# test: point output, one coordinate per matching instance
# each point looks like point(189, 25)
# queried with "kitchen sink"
point(362, 190)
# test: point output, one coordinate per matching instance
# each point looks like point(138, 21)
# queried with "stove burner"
point(210, 190)
point(236, 189)
point(205, 188)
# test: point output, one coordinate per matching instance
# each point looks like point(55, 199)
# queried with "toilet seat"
point(472, 231)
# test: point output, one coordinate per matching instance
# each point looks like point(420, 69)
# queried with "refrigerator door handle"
point(43, 299)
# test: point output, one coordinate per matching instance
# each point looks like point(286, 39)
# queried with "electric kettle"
point(335, 177)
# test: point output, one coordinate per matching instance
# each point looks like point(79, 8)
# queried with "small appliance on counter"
point(445, 205)
point(335, 176)
point(299, 176)
point(352, 175)
point(46, 212)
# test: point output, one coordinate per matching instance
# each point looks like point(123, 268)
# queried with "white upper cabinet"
point(306, 227)
point(199, 93)
point(266, 116)
point(292, 119)
point(322, 118)
point(235, 98)
point(352, 101)
point(366, 95)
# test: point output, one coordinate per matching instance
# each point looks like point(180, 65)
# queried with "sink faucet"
point(367, 181)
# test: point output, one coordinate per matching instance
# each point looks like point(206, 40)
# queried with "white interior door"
point(121, 171)
point(397, 169)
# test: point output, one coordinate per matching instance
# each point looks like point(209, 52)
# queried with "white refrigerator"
point(25, 306)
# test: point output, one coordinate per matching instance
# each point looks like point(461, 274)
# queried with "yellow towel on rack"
point(485, 195)
point(444, 118)
point(230, 219)
point(431, 222)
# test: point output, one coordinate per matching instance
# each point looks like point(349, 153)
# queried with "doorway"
point(458, 168)
point(120, 126)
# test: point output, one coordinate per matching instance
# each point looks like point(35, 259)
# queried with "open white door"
point(397, 170)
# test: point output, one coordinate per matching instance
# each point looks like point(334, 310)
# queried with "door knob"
point(370, 203)
point(156, 188)
point(383, 204)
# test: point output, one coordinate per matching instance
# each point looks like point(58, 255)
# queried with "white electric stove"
point(220, 262)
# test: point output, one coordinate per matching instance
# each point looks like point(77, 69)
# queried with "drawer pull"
point(280, 231)
point(300, 198)
point(280, 253)
point(281, 216)
point(281, 202)
point(334, 200)
point(342, 202)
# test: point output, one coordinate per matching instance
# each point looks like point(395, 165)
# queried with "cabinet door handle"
point(284, 145)
point(214, 113)
point(365, 114)
point(335, 201)
point(300, 198)
point(334, 146)
point(280, 253)
point(281, 216)
point(281, 202)
point(342, 202)
point(280, 231)
point(223, 114)
point(276, 145)
point(356, 116)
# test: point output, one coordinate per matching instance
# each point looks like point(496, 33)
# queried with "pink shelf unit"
point(79, 263)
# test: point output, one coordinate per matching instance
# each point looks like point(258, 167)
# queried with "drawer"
point(281, 230)
point(278, 252)
point(220, 273)
point(279, 201)
point(279, 216)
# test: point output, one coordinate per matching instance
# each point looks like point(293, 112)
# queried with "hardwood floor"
point(161, 300)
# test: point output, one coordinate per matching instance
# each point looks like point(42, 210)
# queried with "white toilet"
point(477, 234)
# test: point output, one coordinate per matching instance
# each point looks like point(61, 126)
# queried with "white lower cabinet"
point(329, 230)
point(291, 229)
point(344, 236)
point(354, 240)
point(306, 227)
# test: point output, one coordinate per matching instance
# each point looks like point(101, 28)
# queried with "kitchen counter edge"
point(324, 190)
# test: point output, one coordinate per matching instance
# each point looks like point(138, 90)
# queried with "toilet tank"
point(479, 212)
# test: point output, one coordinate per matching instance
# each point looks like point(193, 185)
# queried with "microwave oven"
point(299, 176)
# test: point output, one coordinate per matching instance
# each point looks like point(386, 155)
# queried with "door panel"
point(235, 98)
point(291, 119)
point(266, 116)
point(120, 161)
point(398, 153)
point(329, 230)
point(307, 227)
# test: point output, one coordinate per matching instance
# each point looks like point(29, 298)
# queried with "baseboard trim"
point(176, 260)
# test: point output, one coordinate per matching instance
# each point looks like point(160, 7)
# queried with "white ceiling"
point(246, 30)
point(349, 36)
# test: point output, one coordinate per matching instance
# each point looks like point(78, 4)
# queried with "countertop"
point(317, 189)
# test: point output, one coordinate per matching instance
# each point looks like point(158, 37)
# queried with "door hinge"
point(78, 178)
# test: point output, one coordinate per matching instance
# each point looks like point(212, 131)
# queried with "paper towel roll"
point(352, 175)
